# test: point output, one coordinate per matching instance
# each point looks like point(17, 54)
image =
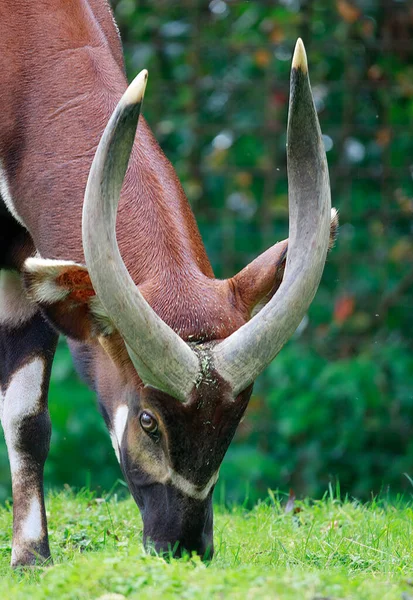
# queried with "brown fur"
point(62, 76)
point(54, 142)
point(55, 104)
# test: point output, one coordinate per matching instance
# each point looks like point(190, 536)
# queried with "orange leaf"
point(344, 308)
point(383, 136)
point(348, 11)
point(262, 58)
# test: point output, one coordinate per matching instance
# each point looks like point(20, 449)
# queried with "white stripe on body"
point(6, 195)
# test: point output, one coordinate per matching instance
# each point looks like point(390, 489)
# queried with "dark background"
point(337, 403)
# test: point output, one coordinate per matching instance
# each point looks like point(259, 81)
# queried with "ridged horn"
point(241, 357)
point(161, 358)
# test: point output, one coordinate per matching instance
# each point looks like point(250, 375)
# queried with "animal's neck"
point(70, 79)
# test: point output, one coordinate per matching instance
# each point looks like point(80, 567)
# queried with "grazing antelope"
point(171, 352)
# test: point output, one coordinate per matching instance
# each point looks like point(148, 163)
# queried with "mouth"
point(178, 549)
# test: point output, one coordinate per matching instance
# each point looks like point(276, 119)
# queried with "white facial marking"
point(190, 489)
point(119, 424)
point(115, 445)
point(31, 529)
point(15, 308)
point(21, 400)
point(121, 417)
point(6, 195)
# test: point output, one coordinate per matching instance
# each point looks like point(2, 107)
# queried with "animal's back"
point(40, 42)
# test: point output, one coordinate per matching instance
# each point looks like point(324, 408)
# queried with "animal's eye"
point(148, 423)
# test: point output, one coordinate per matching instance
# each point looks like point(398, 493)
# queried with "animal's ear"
point(64, 292)
point(257, 283)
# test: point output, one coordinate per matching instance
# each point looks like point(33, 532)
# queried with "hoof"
point(31, 557)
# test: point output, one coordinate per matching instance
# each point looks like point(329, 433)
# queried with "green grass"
point(325, 549)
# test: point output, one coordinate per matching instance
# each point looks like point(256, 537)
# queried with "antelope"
point(98, 242)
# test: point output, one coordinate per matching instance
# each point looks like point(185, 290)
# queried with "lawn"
point(325, 549)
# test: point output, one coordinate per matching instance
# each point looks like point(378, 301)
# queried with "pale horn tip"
point(300, 57)
point(136, 90)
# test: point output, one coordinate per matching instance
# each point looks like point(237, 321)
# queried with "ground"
point(324, 550)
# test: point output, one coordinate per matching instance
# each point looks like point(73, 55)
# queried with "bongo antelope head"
point(173, 359)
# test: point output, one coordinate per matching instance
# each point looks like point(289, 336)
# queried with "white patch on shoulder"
point(43, 274)
point(31, 528)
point(190, 489)
point(15, 307)
point(22, 399)
point(119, 424)
point(6, 195)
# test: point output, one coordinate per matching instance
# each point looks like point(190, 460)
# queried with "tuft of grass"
point(318, 549)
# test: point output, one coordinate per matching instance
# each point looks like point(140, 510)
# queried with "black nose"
point(169, 549)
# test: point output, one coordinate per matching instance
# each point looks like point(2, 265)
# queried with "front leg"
point(28, 344)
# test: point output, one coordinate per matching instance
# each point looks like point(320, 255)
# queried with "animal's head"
point(173, 397)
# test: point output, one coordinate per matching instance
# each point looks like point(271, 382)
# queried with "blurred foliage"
point(338, 400)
